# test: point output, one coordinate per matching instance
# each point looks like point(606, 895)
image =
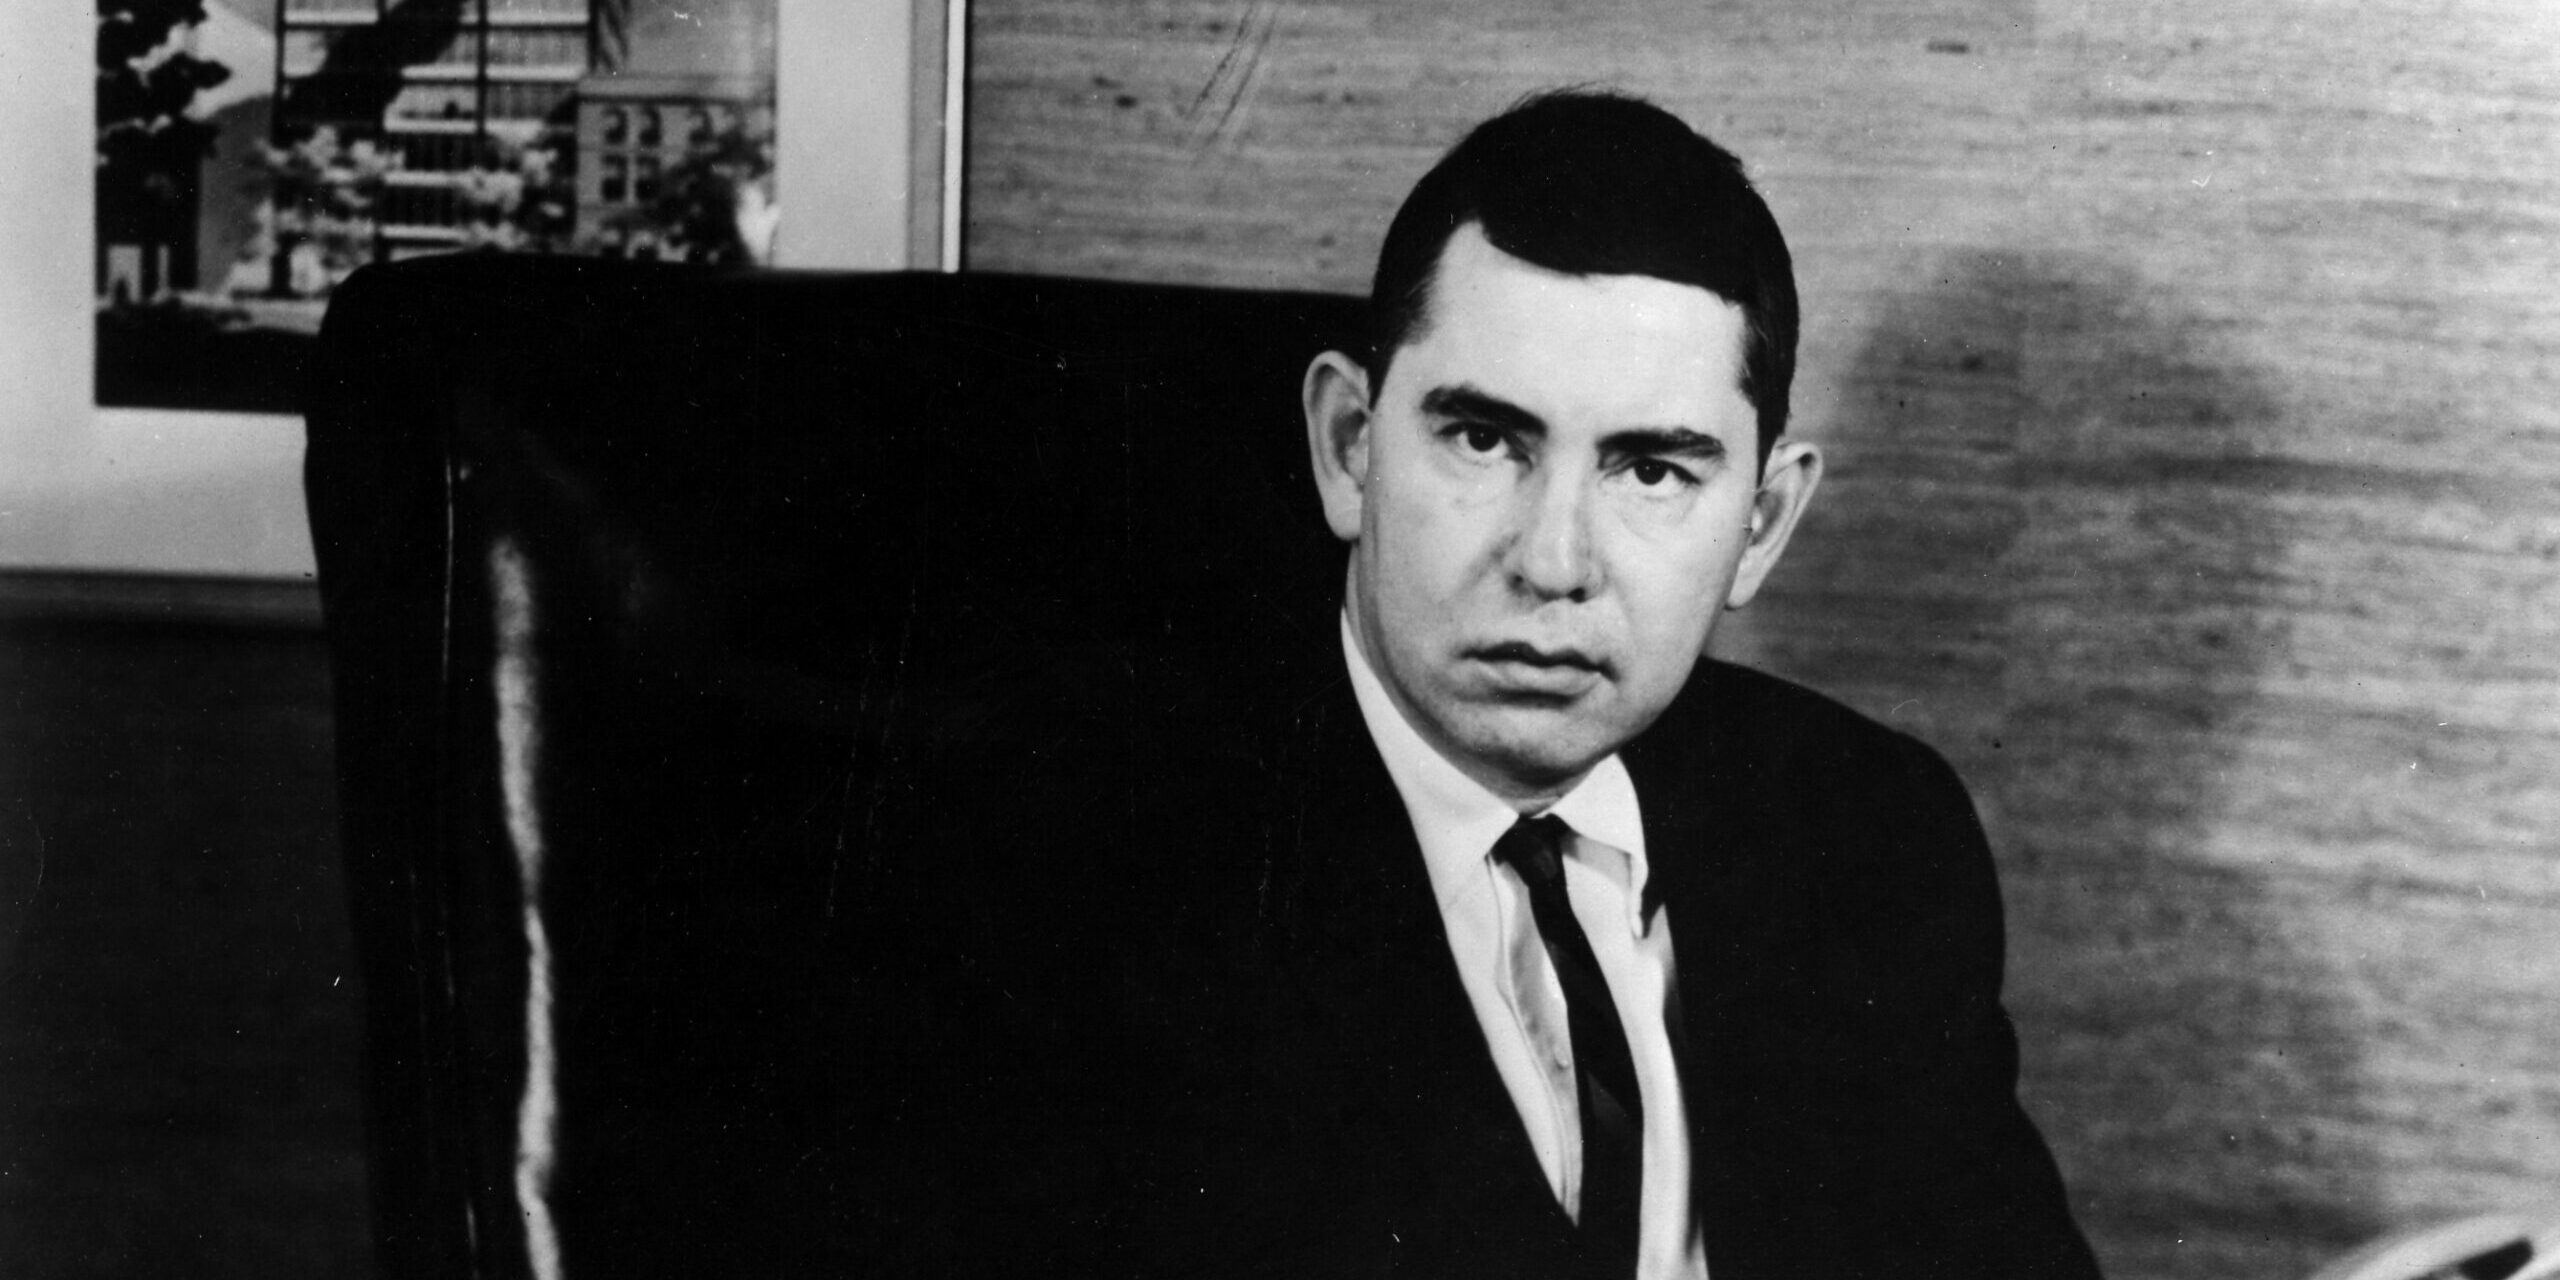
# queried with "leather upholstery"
point(679, 622)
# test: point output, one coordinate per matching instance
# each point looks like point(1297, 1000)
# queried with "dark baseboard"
point(58, 596)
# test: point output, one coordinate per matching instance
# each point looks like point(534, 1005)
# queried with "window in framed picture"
point(253, 153)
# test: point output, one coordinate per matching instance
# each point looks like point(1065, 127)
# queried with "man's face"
point(1550, 500)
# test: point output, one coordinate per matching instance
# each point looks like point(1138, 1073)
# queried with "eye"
point(1480, 443)
point(1652, 473)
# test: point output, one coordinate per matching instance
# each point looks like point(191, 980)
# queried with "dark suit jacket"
point(1839, 950)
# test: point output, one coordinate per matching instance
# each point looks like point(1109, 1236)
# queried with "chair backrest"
point(2510, 1244)
point(677, 620)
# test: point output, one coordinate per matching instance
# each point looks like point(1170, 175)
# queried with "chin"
point(1536, 750)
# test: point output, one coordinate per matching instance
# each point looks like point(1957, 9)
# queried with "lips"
point(1530, 669)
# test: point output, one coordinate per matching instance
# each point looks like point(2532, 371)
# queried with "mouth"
point(1529, 669)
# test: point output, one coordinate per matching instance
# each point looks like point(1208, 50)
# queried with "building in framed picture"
point(543, 124)
point(252, 153)
point(672, 124)
point(459, 109)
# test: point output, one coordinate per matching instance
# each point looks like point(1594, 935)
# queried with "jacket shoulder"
point(1832, 769)
point(1753, 727)
point(1754, 770)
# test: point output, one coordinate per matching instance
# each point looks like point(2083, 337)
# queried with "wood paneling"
point(2188, 376)
point(178, 1000)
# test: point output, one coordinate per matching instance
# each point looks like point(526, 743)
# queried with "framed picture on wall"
point(253, 153)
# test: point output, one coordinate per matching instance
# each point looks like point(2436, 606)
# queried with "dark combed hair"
point(1594, 183)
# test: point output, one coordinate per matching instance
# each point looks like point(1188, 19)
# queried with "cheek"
point(1674, 593)
point(1431, 539)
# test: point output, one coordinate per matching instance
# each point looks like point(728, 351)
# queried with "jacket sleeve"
point(1969, 1187)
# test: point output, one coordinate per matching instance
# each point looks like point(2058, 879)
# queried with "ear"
point(1336, 400)
point(1787, 482)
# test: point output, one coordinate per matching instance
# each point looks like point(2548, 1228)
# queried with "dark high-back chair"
point(743, 682)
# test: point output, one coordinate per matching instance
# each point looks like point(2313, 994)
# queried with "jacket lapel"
point(1709, 867)
point(1389, 1048)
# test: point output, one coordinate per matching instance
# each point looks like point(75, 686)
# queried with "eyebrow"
point(1465, 401)
point(1679, 442)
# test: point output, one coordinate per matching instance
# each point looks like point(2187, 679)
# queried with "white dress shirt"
point(1493, 939)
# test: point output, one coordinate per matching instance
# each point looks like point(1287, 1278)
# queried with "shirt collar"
point(1457, 820)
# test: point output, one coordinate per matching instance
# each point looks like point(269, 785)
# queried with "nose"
point(1552, 557)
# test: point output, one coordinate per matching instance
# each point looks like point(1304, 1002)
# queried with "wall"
point(79, 487)
point(221, 494)
point(2187, 373)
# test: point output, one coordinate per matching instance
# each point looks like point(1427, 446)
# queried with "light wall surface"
point(2188, 375)
point(82, 488)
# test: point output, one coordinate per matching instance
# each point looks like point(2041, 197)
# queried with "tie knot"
point(1534, 847)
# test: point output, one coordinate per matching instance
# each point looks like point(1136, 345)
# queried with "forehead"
point(1614, 349)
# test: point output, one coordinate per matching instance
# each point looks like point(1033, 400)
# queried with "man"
point(1582, 954)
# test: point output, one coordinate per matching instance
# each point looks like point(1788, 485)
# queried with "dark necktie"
point(1604, 1072)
